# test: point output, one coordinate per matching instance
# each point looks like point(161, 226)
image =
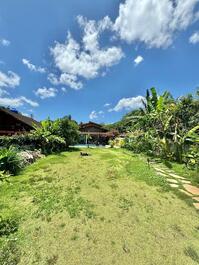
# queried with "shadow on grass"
point(167, 164)
point(73, 149)
point(69, 149)
point(190, 252)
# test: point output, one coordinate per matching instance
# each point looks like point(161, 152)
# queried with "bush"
point(3, 176)
point(47, 144)
point(28, 157)
point(8, 226)
point(65, 128)
point(117, 142)
point(10, 160)
point(23, 141)
point(50, 144)
point(191, 158)
point(140, 142)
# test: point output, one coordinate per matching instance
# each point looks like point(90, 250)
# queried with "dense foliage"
point(50, 137)
point(65, 128)
point(164, 127)
point(9, 161)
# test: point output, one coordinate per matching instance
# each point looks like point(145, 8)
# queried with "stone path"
point(177, 182)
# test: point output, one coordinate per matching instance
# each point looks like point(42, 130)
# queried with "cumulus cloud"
point(138, 60)
point(44, 92)
point(32, 67)
point(10, 79)
point(4, 42)
point(17, 102)
point(154, 22)
point(107, 105)
point(129, 104)
point(194, 38)
point(65, 79)
point(95, 115)
point(86, 60)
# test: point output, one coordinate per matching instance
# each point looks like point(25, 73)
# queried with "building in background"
point(94, 133)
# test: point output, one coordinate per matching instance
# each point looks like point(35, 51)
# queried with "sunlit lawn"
point(107, 208)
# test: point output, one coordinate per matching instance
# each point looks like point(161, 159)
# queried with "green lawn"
point(108, 208)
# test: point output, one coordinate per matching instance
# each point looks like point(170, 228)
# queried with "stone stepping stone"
point(185, 192)
point(172, 185)
point(196, 205)
point(169, 171)
point(172, 181)
point(185, 181)
point(162, 174)
point(192, 189)
point(176, 176)
point(196, 199)
point(159, 169)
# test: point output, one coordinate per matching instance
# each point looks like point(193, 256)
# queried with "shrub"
point(10, 160)
point(46, 143)
point(117, 142)
point(191, 158)
point(141, 142)
point(50, 144)
point(65, 128)
point(3, 176)
point(23, 141)
point(8, 226)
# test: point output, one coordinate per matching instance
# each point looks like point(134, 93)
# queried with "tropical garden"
point(165, 128)
point(114, 206)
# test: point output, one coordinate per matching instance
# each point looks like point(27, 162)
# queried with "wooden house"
point(96, 133)
point(12, 122)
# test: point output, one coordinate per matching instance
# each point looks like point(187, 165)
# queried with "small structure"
point(94, 133)
point(12, 122)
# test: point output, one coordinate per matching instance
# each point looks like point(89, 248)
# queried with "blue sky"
point(73, 57)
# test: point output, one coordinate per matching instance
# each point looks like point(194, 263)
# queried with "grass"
point(108, 208)
point(181, 169)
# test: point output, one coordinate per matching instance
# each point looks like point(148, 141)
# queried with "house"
point(95, 133)
point(12, 122)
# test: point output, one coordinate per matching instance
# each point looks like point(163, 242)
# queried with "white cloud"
point(4, 42)
point(194, 38)
point(65, 79)
point(17, 102)
point(138, 60)
point(129, 104)
point(84, 60)
point(3, 92)
point(154, 22)
point(29, 101)
point(95, 115)
point(10, 79)
point(44, 92)
point(32, 67)
point(107, 105)
point(25, 114)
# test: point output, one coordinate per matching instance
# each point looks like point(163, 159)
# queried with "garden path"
point(178, 182)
